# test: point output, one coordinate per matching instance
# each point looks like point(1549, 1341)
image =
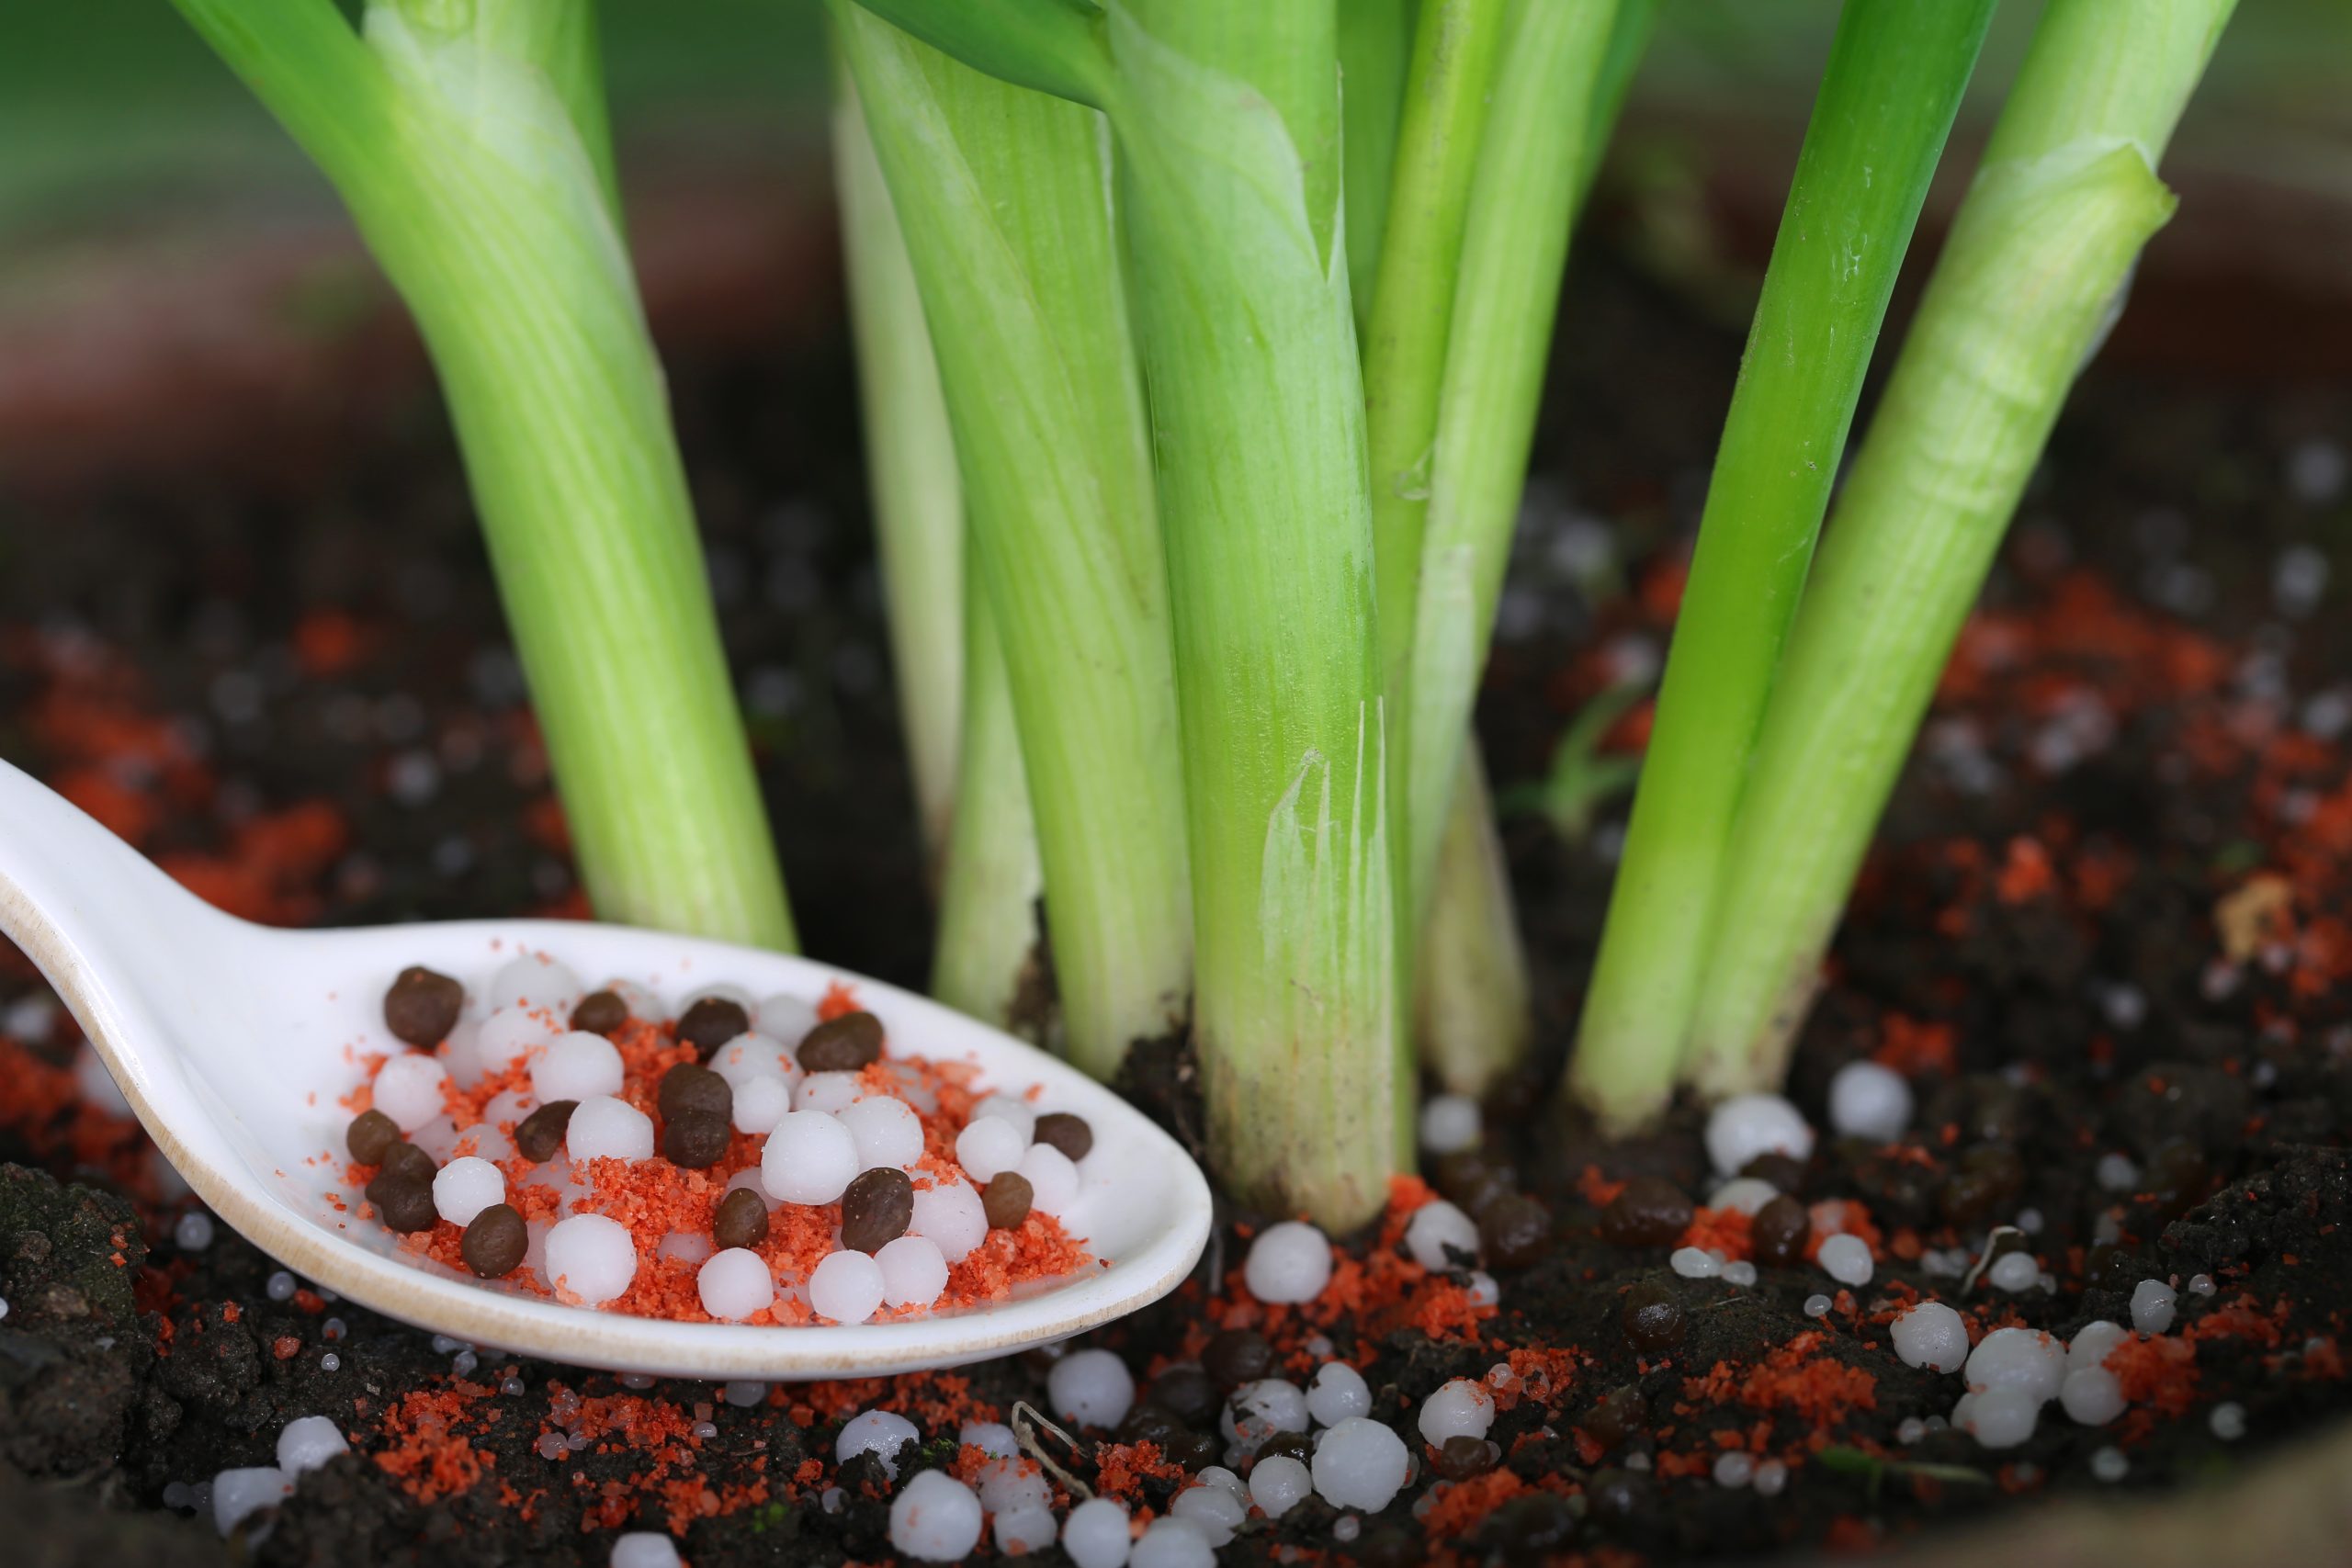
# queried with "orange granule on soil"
point(1461, 1507)
point(427, 1455)
point(1843, 1216)
point(1820, 1389)
point(1120, 1468)
point(1542, 1373)
point(44, 1106)
point(1596, 1189)
point(2025, 873)
point(1718, 1230)
point(1914, 1048)
point(2160, 1373)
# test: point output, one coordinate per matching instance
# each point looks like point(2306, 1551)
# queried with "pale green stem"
point(988, 900)
point(1894, 83)
point(1448, 88)
point(1228, 122)
point(1514, 249)
point(1003, 197)
point(1375, 40)
point(451, 133)
point(2029, 281)
point(1474, 1009)
point(910, 473)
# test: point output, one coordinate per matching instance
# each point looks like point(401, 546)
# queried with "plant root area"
point(2104, 935)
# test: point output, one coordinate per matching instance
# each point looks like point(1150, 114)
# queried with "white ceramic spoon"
point(232, 1042)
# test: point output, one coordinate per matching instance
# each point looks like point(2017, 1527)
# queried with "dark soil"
point(297, 695)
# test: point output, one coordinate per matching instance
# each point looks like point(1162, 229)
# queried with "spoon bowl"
point(232, 1044)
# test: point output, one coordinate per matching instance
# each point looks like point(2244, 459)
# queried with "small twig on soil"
point(1025, 1422)
point(1991, 1245)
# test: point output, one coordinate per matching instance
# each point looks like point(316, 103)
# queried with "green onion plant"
point(469, 140)
point(1887, 104)
point(1201, 343)
point(1002, 195)
point(917, 496)
point(2027, 286)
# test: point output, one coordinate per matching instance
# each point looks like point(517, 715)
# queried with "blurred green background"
point(110, 108)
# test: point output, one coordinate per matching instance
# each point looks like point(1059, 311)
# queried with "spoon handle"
point(107, 927)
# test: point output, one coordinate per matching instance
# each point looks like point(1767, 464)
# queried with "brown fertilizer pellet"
point(1006, 1200)
point(690, 1087)
point(695, 1139)
point(403, 1202)
point(712, 1022)
point(600, 1012)
point(495, 1241)
point(371, 1136)
point(1067, 1132)
point(876, 1209)
point(842, 1044)
point(422, 1007)
point(408, 1161)
point(741, 1221)
point(541, 1132)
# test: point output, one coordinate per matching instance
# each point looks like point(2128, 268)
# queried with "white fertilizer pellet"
point(1441, 1236)
point(809, 1158)
point(845, 1287)
point(577, 1065)
point(1360, 1463)
point(829, 1092)
point(913, 1271)
point(1847, 1259)
point(1450, 1124)
point(1459, 1408)
point(1092, 1388)
point(1931, 1335)
point(953, 1216)
point(1215, 1511)
point(1279, 1484)
point(1095, 1534)
point(1337, 1392)
point(734, 1284)
point(2153, 1303)
point(408, 1089)
point(2014, 1272)
point(1747, 1125)
point(1053, 1179)
point(886, 1131)
point(643, 1548)
point(2093, 1341)
point(543, 984)
point(1288, 1262)
point(1693, 1263)
point(989, 1146)
point(464, 1187)
point(881, 1433)
point(2092, 1396)
point(589, 1257)
point(1998, 1418)
point(1257, 1410)
point(935, 1518)
point(237, 1494)
point(1013, 1109)
point(2025, 1360)
point(759, 1105)
point(308, 1442)
point(607, 1128)
point(1866, 1100)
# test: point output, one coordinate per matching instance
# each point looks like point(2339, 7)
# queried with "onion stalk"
point(1887, 104)
point(470, 145)
point(2027, 284)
